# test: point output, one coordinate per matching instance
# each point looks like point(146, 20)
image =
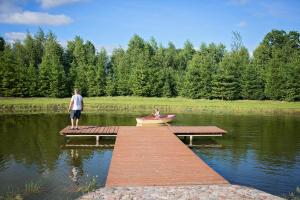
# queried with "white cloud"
point(8, 6)
point(14, 36)
point(55, 3)
point(11, 12)
point(242, 24)
point(36, 18)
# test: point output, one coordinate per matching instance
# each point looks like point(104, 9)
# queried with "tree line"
point(40, 67)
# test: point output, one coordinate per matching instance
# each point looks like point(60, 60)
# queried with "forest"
point(40, 67)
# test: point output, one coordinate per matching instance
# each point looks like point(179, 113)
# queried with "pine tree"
point(39, 44)
point(171, 57)
point(185, 55)
point(96, 75)
point(139, 58)
point(252, 84)
point(7, 72)
point(122, 72)
point(2, 44)
point(192, 82)
point(292, 86)
point(79, 66)
point(21, 84)
point(226, 83)
point(274, 57)
point(33, 80)
point(110, 88)
point(52, 75)
point(274, 87)
point(169, 87)
point(140, 78)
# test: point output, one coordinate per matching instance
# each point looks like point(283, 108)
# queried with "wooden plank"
point(149, 156)
point(196, 130)
point(107, 129)
point(98, 130)
point(115, 129)
point(111, 129)
point(93, 130)
point(177, 130)
point(102, 129)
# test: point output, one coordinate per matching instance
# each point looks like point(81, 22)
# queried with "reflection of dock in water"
point(201, 142)
point(86, 143)
point(150, 156)
point(86, 146)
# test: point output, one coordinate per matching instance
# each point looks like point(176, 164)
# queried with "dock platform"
point(113, 130)
point(90, 130)
point(147, 156)
point(153, 156)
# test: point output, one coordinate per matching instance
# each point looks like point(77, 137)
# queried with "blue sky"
point(112, 23)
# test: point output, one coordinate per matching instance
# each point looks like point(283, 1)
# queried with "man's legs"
point(72, 123)
point(77, 122)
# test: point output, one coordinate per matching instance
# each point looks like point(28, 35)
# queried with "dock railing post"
point(191, 140)
point(97, 140)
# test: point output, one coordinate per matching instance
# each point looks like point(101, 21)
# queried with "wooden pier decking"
point(197, 130)
point(90, 130)
point(113, 130)
point(150, 156)
point(147, 156)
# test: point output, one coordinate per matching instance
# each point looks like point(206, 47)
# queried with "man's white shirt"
point(77, 99)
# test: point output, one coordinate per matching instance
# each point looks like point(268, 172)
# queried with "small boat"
point(155, 120)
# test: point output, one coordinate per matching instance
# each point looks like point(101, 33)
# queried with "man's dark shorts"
point(75, 114)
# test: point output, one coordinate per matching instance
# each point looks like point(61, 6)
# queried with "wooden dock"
point(112, 131)
point(147, 156)
point(197, 130)
point(150, 156)
point(90, 130)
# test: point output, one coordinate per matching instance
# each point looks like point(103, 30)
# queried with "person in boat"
point(156, 113)
point(75, 108)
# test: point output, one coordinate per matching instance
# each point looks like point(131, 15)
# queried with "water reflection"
point(259, 151)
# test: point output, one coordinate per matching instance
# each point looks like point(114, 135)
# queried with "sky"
point(111, 24)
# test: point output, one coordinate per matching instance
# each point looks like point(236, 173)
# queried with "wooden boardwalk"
point(150, 156)
point(113, 130)
point(197, 130)
point(90, 130)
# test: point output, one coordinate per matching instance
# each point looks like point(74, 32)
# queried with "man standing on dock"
point(75, 108)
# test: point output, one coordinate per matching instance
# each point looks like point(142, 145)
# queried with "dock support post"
point(191, 141)
point(97, 140)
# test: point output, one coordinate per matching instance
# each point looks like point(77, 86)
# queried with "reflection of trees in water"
point(274, 140)
point(3, 160)
point(279, 141)
point(112, 119)
point(32, 139)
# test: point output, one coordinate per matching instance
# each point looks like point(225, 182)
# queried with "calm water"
point(259, 151)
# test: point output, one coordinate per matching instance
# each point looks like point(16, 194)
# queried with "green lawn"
point(145, 104)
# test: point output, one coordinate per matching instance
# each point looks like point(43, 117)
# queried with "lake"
point(259, 151)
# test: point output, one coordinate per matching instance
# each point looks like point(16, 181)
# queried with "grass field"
point(146, 104)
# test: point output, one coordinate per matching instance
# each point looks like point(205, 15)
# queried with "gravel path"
point(205, 192)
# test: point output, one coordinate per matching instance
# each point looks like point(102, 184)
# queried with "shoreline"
point(207, 192)
point(147, 104)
